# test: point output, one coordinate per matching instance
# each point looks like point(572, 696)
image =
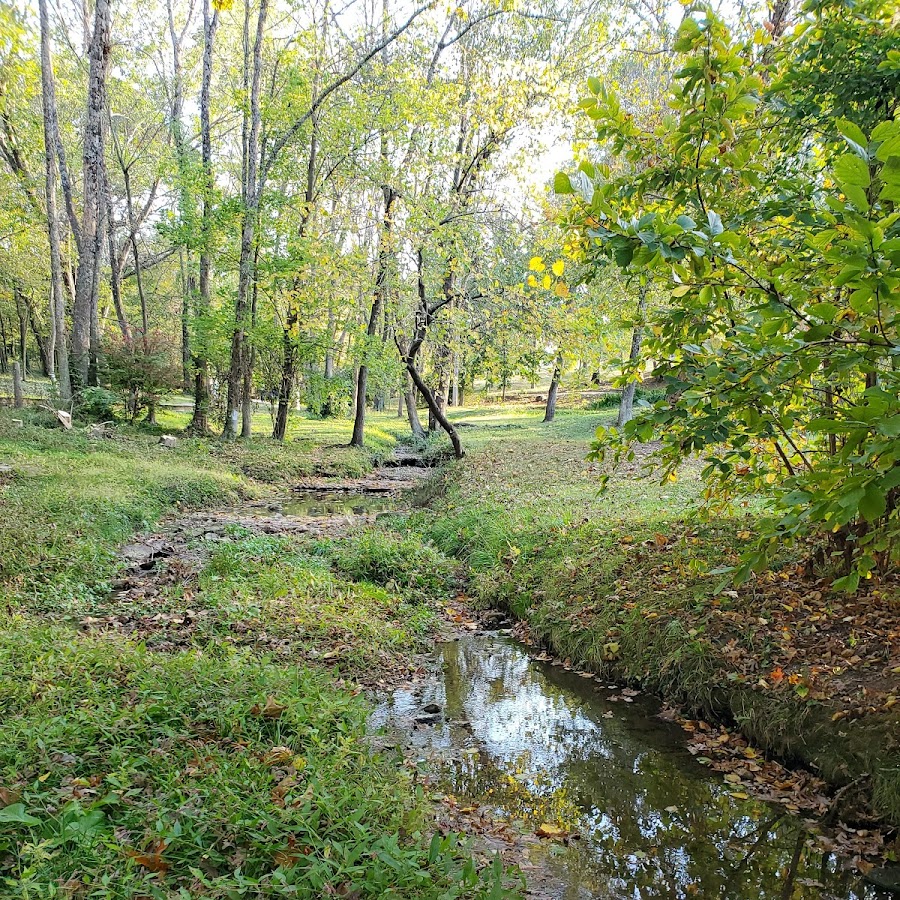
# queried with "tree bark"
point(200, 418)
point(436, 410)
point(18, 397)
point(246, 274)
point(249, 362)
point(378, 303)
point(115, 284)
point(43, 342)
point(85, 328)
point(22, 313)
point(424, 316)
point(626, 404)
point(550, 410)
point(412, 412)
point(51, 132)
point(186, 295)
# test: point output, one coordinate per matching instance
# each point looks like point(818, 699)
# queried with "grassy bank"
point(201, 733)
point(621, 584)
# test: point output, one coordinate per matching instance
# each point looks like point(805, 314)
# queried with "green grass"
point(280, 595)
point(70, 500)
point(132, 774)
point(207, 738)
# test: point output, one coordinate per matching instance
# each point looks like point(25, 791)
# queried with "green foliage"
point(328, 396)
point(641, 396)
point(403, 563)
point(141, 370)
point(97, 404)
point(135, 773)
point(779, 341)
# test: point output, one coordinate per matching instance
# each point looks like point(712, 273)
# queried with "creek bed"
point(535, 744)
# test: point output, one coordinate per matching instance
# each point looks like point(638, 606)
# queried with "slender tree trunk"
point(51, 130)
point(18, 395)
point(23, 331)
point(85, 327)
point(288, 375)
point(378, 302)
point(43, 342)
point(249, 362)
point(412, 412)
point(186, 295)
point(115, 284)
point(138, 277)
point(436, 410)
point(4, 359)
point(550, 410)
point(246, 275)
point(200, 419)
point(626, 404)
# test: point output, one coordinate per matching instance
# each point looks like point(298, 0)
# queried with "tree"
point(779, 260)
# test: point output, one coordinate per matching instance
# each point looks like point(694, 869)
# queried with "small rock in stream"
point(432, 708)
point(427, 720)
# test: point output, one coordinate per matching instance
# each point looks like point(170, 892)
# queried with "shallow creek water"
point(336, 503)
point(535, 744)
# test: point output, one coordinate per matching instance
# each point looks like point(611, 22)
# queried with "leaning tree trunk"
point(51, 129)
point(435, 409)
point(408, 393)
point(85, 328)
point(626, 404)
point(550, 410)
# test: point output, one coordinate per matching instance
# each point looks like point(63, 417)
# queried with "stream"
point(533, 744)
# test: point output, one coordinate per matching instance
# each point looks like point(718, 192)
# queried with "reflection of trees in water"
point(651, 828)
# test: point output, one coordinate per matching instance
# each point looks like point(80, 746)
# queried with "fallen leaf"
point(272, 710)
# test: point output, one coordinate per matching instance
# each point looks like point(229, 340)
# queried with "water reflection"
point(538, 744)
point(336, 503)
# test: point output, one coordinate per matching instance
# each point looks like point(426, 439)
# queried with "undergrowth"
point(127, 774)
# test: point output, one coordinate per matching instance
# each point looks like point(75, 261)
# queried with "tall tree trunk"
point(436, 410)
point(408, 351)
point(187, 293)
point(85, 328)
point(42, 341)
point(250, 362)
point(378, 302)
point(550, 410)
point(200, 419)
point(18, 394)
point(288, 375)
point(51, 132)
point(246, 275)
point(412, 412)
point(289, 338)
point(4, 359)
point(626, 404)
point(115, 284)
point(22, 313)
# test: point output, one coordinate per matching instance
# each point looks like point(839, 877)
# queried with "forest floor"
point(620, 584)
